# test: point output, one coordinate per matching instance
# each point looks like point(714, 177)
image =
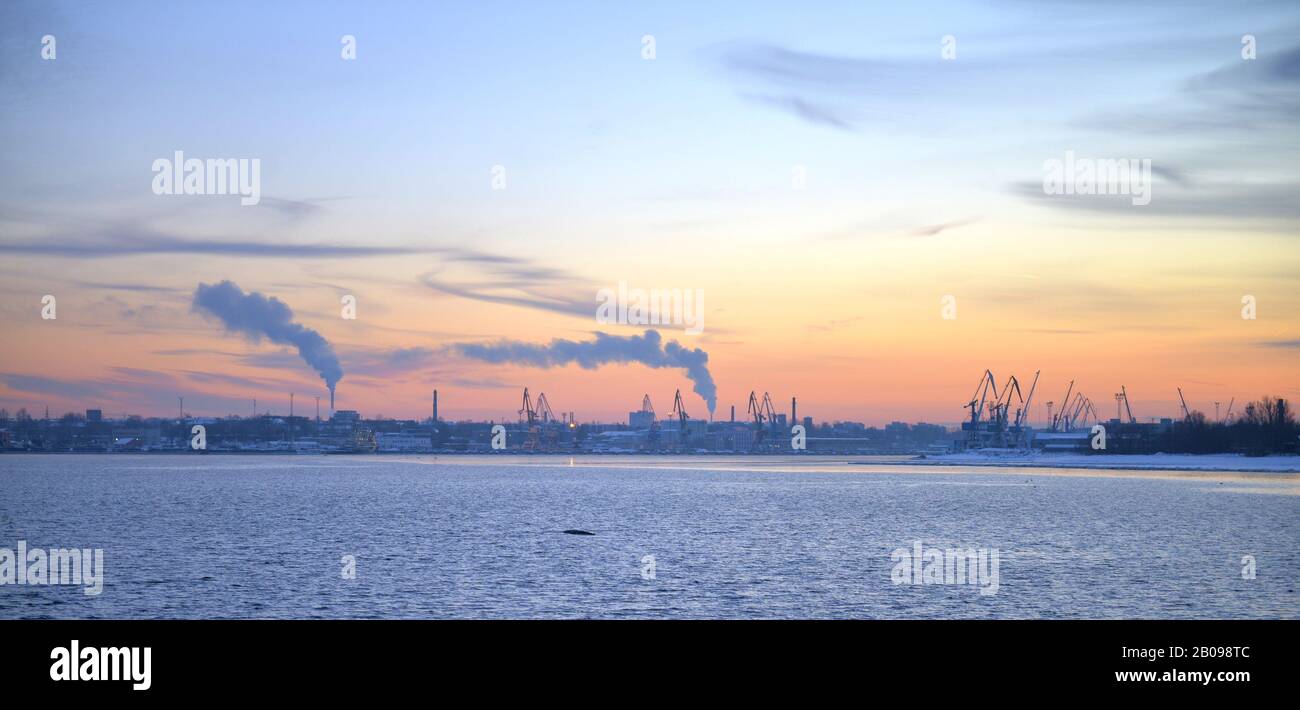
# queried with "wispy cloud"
point(117, 243)
point(1245, 204)
point(809, 110)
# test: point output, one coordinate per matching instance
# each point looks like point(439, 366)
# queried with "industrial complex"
point(997, 418)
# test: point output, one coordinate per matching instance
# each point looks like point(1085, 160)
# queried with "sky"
point(834, 178)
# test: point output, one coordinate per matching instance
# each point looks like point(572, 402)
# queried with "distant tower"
point(433, 423)
point(733, 414)
point(794, 409)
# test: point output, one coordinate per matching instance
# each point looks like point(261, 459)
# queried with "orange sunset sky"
point(824, 182)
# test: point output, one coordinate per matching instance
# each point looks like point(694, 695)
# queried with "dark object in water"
point(578, 532)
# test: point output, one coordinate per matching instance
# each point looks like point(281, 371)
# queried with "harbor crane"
point(769, 412)
point(764, 416)
point(652, 438)
point(1022, 414)
point(1123, 391)
point(679, 411)
point(1078, 412)
point(1065, 404)
point(986, 386)
point(544, 412)
point(755, 410)
point(526, 410)
point(999, 418)
point(538, 418)
point(550, 425)
point(1186, 414)
point(648, 407)
point(528, 416)
point(1003, 404)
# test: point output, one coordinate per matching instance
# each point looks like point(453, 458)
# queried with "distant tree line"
point(1267, 426)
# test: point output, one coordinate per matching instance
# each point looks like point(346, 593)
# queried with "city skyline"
point(825, 184)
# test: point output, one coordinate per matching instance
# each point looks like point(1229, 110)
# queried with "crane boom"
point(980, 396)
point(1065, 403)
point(679, 411)
point(544, 411)
point(769, 412)
point(527, 409)
point(1023, 414)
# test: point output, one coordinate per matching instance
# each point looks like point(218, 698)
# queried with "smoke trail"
point(646, 349)
point(256, 316)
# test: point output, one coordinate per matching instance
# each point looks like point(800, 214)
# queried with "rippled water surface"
point(263, 536)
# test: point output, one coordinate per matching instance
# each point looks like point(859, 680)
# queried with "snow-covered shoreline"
point(1135, 462)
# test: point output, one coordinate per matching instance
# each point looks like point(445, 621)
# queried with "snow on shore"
point(1162, 462)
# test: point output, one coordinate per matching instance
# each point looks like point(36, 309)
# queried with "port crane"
point(652, 438)
point(550, 424)
point(986, 386)
point(1003, 404)
point(1078, 412)
point(764, 416)
point(769, 412)
point(1123, 393)
point(528, 417)
point(1186, 414)
point(755, 410)
point(679, 411)
point(538, 418)
point(526, 410)
point(544, 412)
point(1065, 404)
point(1022, 414)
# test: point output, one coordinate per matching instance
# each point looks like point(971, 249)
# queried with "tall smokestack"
point(794, 411)
point(435, 406)
point(733, 414)
point(331, 402)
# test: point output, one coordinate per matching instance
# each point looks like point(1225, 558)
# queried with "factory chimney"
point(733, 414)
point(794, 411)
point(435, 406)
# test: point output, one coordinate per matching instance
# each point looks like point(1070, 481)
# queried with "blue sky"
point(559, 94)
